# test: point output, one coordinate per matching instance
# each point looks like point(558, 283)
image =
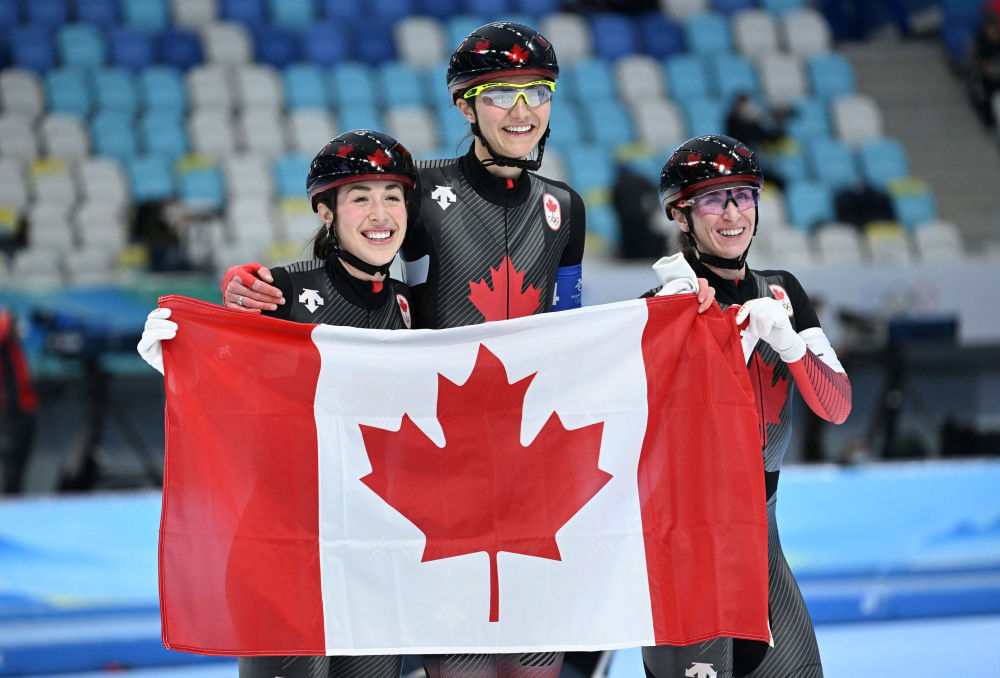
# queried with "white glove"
point(157, 329)
point(769, 321)
point(676, 275)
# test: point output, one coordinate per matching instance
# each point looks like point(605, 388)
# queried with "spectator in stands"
point(861, 203)
point(160, 225)
point(710, 186)
point(638, 210)
point(984, 66)
point(758, 128)
point(18, 406)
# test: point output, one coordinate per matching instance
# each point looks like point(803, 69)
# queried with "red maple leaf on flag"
point(771, 394)
point(345, 150)
point(484, 490)
point(505, 299)
point(518, 54)
point(379, 159)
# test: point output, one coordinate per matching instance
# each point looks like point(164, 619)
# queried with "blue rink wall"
point(903, 554)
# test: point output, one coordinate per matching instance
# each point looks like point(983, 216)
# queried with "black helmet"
point(360, 155)
point(498, 49)
point(706, 161)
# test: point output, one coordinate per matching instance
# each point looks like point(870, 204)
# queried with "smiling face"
point(725, 235)
point(511, 132)
point(370, 220)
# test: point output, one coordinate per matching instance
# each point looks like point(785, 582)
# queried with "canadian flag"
point(579, 480)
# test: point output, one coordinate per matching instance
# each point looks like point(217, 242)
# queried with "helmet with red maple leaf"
point(703, 162)
point(499, 49)
point(360, 155)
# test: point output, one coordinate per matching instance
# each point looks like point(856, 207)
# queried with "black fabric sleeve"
point(573, 254)
point(283, 281)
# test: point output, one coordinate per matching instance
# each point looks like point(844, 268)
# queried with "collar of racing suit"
point(494, 188)
point(728, 292)
point(359, 292)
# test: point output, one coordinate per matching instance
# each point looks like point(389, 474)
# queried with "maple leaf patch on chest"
point(504, 299)
point(404, 310)
point(553, 211)
point(484, 491)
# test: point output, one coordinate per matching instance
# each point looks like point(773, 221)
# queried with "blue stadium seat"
point(81, 45)
point(289, 172)
point(730, 7)
point(305, 86)
point(102, 13)
point(115, 90)
point(807, 204)
point(567, 129)
point(587, 80)
point(179, 47)
point(150, 177)
point(490, 10)
point(441, 9)
point(602, 222)
point(112, 135)
point(535, 8)
point(808, 120)
point(281, 47)
point(452, 130)
point(377, 51)
point(882, 160)
point(250, 13)
point(830, 75)
point(359, 116)
point(704, 115)
point(831, 162)
point(781, 6)
point(31, 48)
point(458, 27)
point(326, 43)
point(352, 82)
point(435, 86)
point(400, 84)
point(49, 13)
point(590, 167)
point(660, 36)
point(68, 91)
point(607, 122)
point(686, 76)
point(131, 48)
point(162, 88)
point(912, 201)
point(613, 35)
point(391, 11)
point(202, 187)
point(294, 14)
point(148, 15)
point(785, 160)
point(10, 16)
point(707, 33)
point(163, 133)
point(732, 74)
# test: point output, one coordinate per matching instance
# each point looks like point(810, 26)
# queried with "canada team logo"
point(553, 212)
point(781, 295)
point(404, 310)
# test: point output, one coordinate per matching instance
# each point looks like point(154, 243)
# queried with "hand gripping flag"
point(578, 480)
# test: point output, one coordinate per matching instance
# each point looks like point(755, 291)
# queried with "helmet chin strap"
point(734, 264)
point(505, 161)
point(353, 260)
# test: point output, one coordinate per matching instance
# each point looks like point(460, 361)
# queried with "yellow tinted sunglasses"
point(506, 94)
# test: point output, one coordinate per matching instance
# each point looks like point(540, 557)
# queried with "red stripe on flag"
point(701, 487)
point(239, 553)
